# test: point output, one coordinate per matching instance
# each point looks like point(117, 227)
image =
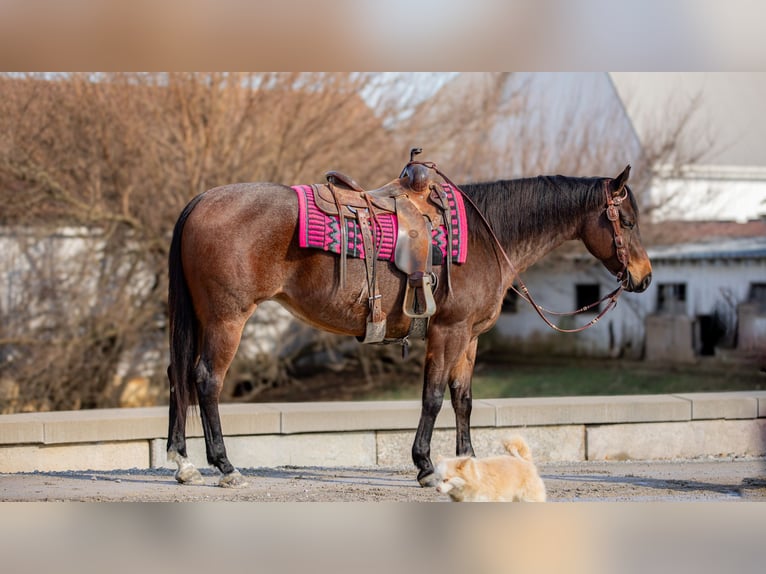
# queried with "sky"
point(730, 117)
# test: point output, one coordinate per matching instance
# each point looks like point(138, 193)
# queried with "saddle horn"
point(413, 152)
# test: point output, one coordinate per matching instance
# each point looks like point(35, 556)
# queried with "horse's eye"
point(627, 223)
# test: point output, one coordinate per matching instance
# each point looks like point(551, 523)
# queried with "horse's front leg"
point(450, 354)
point(462, 401)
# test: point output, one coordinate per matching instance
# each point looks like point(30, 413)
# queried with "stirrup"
point(375, 332)
point(410, 296)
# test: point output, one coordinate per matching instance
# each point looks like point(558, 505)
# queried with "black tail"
point(183, 326)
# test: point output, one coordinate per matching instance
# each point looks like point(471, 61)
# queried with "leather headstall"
point(613, 214)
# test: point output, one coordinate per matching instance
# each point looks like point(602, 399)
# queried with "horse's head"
point(611, 234)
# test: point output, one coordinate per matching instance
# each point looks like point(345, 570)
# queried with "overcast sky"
point(731, 115)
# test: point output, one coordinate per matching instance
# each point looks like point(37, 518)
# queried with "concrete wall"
point(381, 433)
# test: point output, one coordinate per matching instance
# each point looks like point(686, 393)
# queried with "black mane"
point(521, 208)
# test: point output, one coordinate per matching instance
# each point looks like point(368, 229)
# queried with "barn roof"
point(741, 248)
point(675, 232)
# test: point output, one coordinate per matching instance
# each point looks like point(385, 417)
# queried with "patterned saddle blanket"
point(318, 230)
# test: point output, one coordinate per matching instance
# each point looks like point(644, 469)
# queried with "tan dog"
point(505, 478)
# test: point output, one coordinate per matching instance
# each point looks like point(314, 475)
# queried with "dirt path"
point(698, 480)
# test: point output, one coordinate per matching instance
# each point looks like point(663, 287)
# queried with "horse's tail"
point(517, 446)
point(182, 321)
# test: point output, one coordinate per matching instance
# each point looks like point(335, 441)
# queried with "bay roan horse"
point(236, 246)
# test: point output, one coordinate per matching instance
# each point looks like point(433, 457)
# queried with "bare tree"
point(94, 169)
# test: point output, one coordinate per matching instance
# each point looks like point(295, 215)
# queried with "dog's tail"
point(517, 446)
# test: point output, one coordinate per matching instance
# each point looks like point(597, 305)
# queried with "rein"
point(612, 214)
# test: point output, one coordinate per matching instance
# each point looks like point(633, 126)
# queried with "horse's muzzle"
point(638, 287)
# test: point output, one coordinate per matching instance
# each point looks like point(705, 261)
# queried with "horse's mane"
point(522, 208)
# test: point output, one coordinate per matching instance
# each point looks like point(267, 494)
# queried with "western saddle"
point(420, 205)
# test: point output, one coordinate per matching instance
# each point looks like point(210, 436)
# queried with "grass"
point(596, 377)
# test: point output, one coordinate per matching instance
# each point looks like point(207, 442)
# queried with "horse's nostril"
point(637, 287)
point(645, 283)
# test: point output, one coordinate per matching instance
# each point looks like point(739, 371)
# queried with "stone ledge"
point(23, 428)
point(761, 407)
point(294, 418)
point(60, 427)
point(731, 405)
point(371, 415)
point(591, 410)
point(291, 418)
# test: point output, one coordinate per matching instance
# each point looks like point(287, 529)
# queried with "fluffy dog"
point(505, 478)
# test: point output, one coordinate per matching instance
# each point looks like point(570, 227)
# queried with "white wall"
point(621, 331)
point(710, 282)
point(554, 288)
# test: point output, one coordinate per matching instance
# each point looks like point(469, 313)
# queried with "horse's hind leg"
point(186, 473)
point(219, 345)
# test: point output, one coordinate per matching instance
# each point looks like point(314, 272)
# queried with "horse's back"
point(241, 204)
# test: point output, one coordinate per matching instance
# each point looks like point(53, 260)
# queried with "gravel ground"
point(686, 480)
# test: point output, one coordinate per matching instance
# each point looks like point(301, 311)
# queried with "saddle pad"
point(321, 231)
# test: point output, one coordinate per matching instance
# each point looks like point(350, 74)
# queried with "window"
point(587, 294)
point(758, 295)
point(671, 298)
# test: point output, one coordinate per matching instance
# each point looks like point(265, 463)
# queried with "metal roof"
point(744, 248)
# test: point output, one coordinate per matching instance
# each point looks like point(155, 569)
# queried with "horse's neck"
point(538, 215)
point(527, 251)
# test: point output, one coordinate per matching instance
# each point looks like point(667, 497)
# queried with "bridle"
point(613, 215)
point(612, 212)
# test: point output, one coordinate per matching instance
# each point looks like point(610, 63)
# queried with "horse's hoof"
point(427, 480)
point(232, 480)
point(189, 475)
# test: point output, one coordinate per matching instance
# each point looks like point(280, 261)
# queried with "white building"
point(706, 283)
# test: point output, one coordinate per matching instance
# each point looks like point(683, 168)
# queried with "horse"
point(235, 246)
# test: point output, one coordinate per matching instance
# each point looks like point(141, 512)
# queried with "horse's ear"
point(619, 182)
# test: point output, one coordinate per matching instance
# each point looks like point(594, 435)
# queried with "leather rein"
point(612, 211)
